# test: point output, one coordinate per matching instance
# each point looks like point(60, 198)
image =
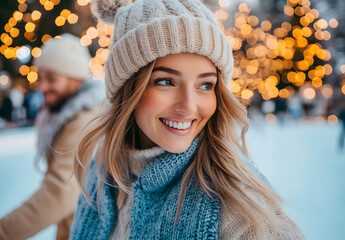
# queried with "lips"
point(179, 125)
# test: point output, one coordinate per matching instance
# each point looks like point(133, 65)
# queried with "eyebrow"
point(177, 73)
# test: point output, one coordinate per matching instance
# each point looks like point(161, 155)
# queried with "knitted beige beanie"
point(148, 29)
point(65, 56)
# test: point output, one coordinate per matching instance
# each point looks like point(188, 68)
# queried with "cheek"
point(207, 106)
point(150, 105)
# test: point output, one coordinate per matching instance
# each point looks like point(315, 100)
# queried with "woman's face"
point(178, 101)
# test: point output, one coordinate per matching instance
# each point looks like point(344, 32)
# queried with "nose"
point(185, 101)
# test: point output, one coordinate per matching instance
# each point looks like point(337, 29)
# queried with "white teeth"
point(185, 125)
point(177, 125)
point(180, 125)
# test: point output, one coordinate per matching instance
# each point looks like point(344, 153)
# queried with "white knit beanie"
point(65, 56)
point(148, 29)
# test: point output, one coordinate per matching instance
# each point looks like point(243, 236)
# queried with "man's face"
point(56, 88)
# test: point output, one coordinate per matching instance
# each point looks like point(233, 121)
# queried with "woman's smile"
point(178, 101)
point(178, 126)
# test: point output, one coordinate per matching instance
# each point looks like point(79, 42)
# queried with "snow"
point(300, 160)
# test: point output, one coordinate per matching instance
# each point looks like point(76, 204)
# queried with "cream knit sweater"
point(232, 225)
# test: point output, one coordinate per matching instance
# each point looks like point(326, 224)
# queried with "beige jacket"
point(55, 201)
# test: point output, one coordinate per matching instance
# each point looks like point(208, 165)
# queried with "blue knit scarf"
point(155, 199)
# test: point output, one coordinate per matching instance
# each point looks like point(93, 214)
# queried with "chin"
point(177, 147)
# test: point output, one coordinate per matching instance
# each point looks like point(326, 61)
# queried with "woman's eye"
point(163, 82)
point(207, 86)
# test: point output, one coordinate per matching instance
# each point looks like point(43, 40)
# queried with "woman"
point(170, 162)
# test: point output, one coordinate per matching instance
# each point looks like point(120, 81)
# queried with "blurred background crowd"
point(289, 71)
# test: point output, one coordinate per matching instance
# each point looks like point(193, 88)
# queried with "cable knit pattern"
point(154, 206)
point(138, 159)
point(149, 29)
point(155, 200)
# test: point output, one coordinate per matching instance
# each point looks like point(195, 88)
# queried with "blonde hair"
point(221, 171)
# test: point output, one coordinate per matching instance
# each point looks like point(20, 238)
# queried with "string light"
point(35, 15)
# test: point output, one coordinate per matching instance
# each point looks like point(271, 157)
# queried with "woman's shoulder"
point(233, 224)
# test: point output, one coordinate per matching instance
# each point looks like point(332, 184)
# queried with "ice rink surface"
point(300, 159)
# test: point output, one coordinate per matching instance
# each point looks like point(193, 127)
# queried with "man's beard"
point(56, 107)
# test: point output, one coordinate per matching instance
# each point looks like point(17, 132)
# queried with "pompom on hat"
point(65, 56)
point(149, 29)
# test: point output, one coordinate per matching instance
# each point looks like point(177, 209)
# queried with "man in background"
point(71, 100)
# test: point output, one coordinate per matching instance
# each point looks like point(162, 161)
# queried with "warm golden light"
point(284, 93)
point(73, 18)
point(342, 68)
point(104, 41)
point(332, 119)
point(327, 91)
point(246, 29)
point(303, 65)
point(30, 27)
point(8, 27)
point(83, 2)
point(243, 8)
point(288, 10)
point(10, 53)
point(253, 21)
point(302, 42)
point(4, 80)
point(60, 21)
point(85, 40)
point(22, 7)
point(307, 32)
point(18, 16)
point(42, 2)
point(247, 94)
point(224, 3)
point(8, 40)
point(309, 93)
point(35, 15)
point(46, 38)
point(92, 32)
point(333, 23)
point(317, 82)
point(266, 25)
point(36, 52)
point(65, 13)
point(322, 23)
point(55, 2)
point(235, 87)
point(328, 69)
point(48, 5)
point(271, 42)
point(14, 32)
point(297, 33)
point(221, 15)
point(12, 21)
point(24, 70)
point(32, 77)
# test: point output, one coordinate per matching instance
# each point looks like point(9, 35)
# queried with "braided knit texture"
point(155, 200)
point(149, 29)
